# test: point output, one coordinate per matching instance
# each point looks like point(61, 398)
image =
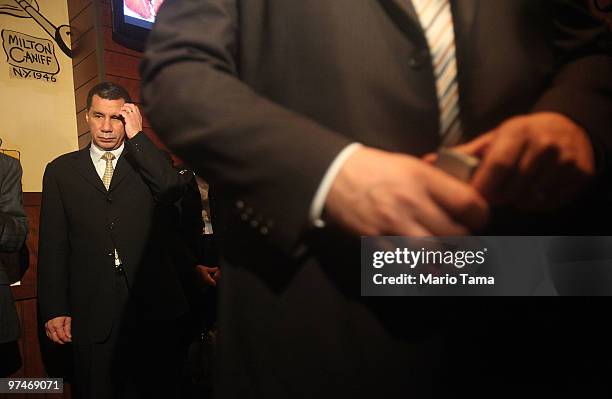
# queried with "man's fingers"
point(438, 222)
point(205, 273)
point(523, 188)
point(430, 158)
point(477, 147)
point(68, 327)
point(55, 338)
point(215, 273)
point(209, 280)
point(460, 201)
point(498, 166)
point(59, 331)
point(409, 228)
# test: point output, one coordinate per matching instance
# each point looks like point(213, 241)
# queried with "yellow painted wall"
point(38, 117)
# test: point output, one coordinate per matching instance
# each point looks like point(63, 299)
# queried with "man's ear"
point(87, 116)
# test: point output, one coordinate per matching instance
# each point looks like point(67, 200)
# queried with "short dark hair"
point(108, 91)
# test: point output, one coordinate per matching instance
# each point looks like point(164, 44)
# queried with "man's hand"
point(381, 193)
point(536, 162)
point(132, 118)
point(210, 275)
point(58, 329)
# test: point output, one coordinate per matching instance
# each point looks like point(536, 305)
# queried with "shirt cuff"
point(318, 202)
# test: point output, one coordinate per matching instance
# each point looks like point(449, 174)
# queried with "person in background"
point(197, 252)
point(105, 282)
point(13, 232)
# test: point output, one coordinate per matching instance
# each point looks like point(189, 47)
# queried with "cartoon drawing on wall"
point(30, 9)
point(30, 57)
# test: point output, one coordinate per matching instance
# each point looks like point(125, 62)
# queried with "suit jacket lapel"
point(408, 8)
point(86, 168)
point(403, 14)
point(122, 170)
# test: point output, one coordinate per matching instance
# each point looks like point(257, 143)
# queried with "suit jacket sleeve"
point(53, 272)
point(13, 221)
point(582, 86)
point(261, 156)
point(164, 181)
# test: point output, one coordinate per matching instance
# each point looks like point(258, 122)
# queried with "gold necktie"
point(108, 171)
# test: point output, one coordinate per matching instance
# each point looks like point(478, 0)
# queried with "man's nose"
point(107, 126)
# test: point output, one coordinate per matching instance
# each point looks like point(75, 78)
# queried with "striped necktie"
point(437, 23)
point(108, 171)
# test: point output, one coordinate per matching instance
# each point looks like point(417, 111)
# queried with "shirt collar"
point(97, 152)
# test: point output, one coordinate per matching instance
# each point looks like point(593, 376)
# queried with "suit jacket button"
point(111, 225)
point(254, 223)
point(418, 59)
point(239, 204)
point(109, 199)
point(264, 230)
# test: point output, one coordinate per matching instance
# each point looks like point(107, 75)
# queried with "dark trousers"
point(139, 359)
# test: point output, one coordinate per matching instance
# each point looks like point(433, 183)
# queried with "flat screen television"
point(132, 21)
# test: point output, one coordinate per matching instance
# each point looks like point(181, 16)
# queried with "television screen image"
point(133, 20)
point(141, 12)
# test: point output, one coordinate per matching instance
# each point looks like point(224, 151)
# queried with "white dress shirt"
point(96, 154)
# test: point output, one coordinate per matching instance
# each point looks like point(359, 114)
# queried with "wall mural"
point(31, 57)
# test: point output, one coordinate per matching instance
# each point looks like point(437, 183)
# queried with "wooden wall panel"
point(27, 289)
point(85, 71)
point(83, 47)
point(122, 65)
point(110, 45)
point(82, 22)
point(84, 140)
point(76, 6)
point(106, 17)
point(82, 126)
point(80, 95)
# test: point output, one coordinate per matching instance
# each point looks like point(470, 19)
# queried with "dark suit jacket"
point(260, 96)
point(81, 224)
point(13, 231)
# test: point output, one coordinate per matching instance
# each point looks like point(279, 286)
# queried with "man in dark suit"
point(13, 231)
point(274, 96)
point(106, 279)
